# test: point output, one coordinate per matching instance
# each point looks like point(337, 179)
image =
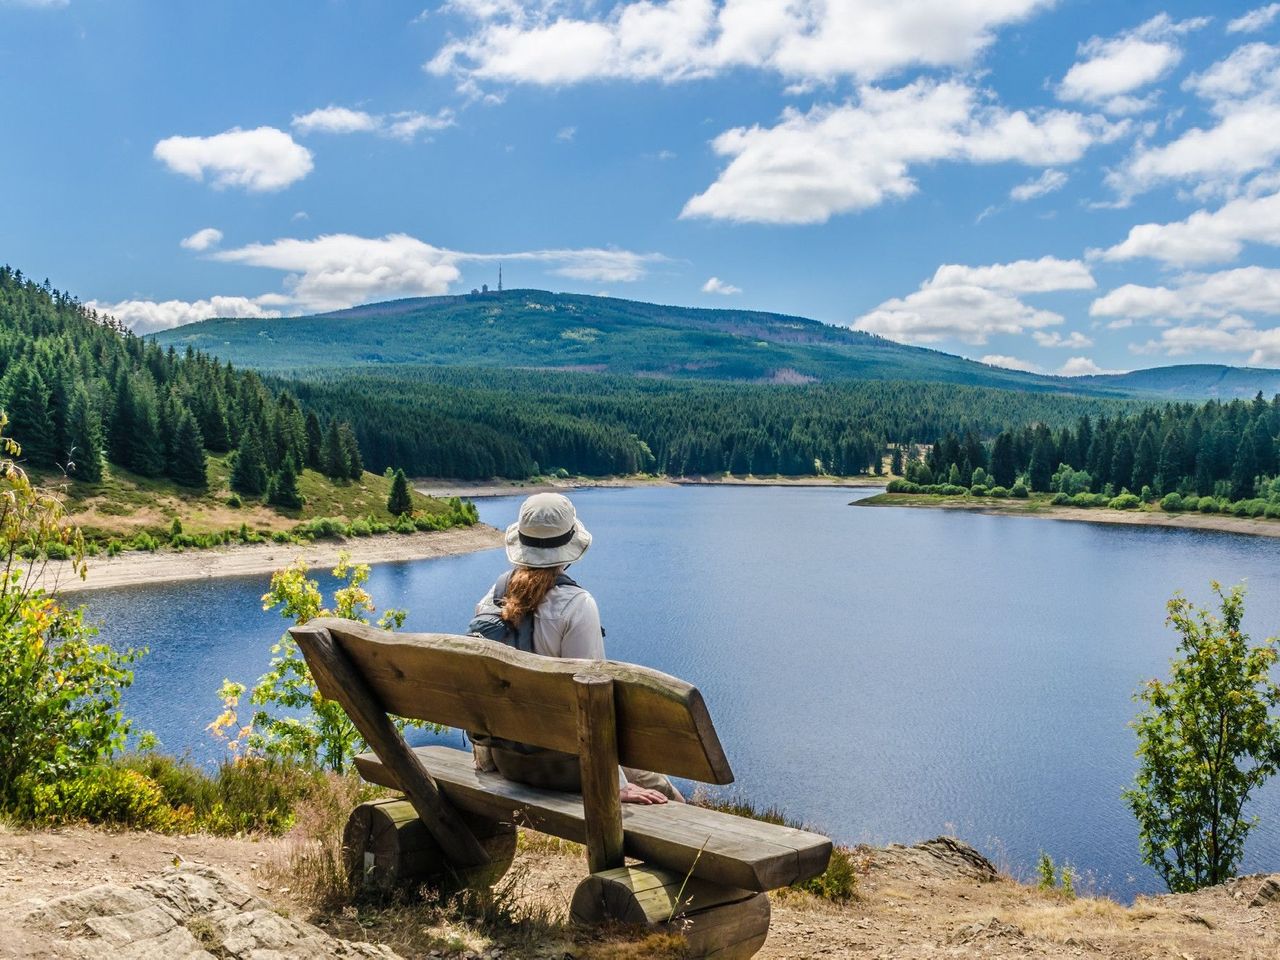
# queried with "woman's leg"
point(653, 781)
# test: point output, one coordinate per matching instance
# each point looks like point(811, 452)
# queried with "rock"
point(939, 858)
point(992, 929)
point(190, 913)
point(1269, 892)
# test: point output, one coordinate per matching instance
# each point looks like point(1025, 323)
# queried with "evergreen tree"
point(1169, 463)
point(1040, 470)
point(315, 442)
point(1204, 465)
point(187, 463)
point(399, 501)
point(351, 452)
point(1003, 467)
point(1245, 468)
point(1122, 460)
point(333, 455)
point(146, 448)
point(1145, 460)
point(249, 474)
point(30, 417)
point(283, 489)
point(84, 431)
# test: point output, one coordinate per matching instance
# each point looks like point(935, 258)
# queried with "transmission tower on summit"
point(499, 276)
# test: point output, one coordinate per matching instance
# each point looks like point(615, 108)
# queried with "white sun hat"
point(548, 533)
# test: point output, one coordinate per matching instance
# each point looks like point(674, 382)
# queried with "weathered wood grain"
point(732, 851)
point(334, 672)
point(476, 684)
point(715, 921)
point(598, 761)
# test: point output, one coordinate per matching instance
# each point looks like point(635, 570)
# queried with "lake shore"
point(497, 487)
point(1215, 522)
point(172, 566)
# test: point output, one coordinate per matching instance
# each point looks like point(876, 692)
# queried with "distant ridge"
point(537, 329)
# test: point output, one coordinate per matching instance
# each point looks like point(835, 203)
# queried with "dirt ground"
point(938, 899)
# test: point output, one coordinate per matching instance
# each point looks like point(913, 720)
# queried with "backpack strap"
point(500, 587)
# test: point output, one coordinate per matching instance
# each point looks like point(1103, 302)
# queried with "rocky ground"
point(81, 893)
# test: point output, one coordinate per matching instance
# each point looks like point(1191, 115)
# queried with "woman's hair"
point(525, 592)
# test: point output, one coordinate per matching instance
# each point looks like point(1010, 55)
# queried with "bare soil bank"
point(167, 566)
point(1135, 518)
point(937, 899)
point(497, 487)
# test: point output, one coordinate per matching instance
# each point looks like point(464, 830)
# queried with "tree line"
point(1229, 450)
point(79, 390)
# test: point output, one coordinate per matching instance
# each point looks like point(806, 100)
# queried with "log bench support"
point(718, 922)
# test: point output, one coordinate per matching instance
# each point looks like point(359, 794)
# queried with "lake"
point(885, 674)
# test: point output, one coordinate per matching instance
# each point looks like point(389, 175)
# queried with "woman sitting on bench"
point(538, 608)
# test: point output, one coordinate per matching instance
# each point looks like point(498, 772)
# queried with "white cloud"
point(1254, 20)
point(1113, 68)
point(716, 285)
point(1075, 340)
point(1048, 182)
point(1011, 363)
point(838, 158)
point(404, 125)
point(1205, 237)
point(1243, 94)
point(602, 265)
point(148, 316)
point(202, 239)
point(257, 160)
point(1020, 276)
point(1083, 367)
point(1196, 296)
point(566, 133)
point(1229, 335)
point(555, 44)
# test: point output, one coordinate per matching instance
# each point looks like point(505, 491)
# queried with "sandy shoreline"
point(442, 487)
point(167, 566)
point(1208, 522)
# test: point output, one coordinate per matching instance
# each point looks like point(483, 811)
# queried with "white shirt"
point(566, 623)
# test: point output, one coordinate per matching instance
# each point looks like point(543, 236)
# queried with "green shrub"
point(361, 528)
point(1020, 491)
point(175, 528)
point(978, 490)
point(323, 527)
point(281, 536)
point(1208, 505)
point(1090, 500)
point(1126, 501)
point(114, 547)
point(1172, 503)
point(144, 541)
point(1060, 498)
point(405, 525)
point(235, 501)
point(107, 794)
point(1272, 511)
point(1000, 493)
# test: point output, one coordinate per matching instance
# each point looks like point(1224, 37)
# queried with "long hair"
point(526, 590)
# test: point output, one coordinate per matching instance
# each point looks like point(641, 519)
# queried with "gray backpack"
point(491, 626)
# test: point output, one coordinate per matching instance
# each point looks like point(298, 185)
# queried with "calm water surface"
point(884, 674)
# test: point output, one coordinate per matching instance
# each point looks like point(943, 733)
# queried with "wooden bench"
point(703, 873)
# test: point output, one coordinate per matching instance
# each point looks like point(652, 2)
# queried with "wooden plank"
point(333, 671)
point(476, 684)
point(720, 847)
point(598, 761)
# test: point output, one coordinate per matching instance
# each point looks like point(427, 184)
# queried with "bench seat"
point(725, 849)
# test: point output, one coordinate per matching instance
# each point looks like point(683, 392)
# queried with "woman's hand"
point(633, 794)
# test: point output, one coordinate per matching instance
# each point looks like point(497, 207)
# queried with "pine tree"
point(1145, 460)
point(187, 464)
point(249, 475)
point(147, 445)
point(399, 501)
point(1003, 469)
point(351, 452)
point(1122, 460)
point(1169, 464)
point(1040, 470)
point(30, 417)
point(895, 462)
point(1245, 468)
point(84, 431)
point(283, 490)
point(315, 442)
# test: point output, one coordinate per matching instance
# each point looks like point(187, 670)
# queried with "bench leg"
point(387, 849)
point(720, 922)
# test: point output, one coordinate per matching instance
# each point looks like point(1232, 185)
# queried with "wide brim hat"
point(548, 533)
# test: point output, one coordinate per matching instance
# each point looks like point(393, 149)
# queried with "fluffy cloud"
point(1048, 182)
point(1243, 94)
point(838, 158)
point(1205, 237)
point(1020, 276)
point(1083, 367)
point(202, 239)
point(1075, 340)
point(672, 40)
point(1112, 69)
point(601, 265)
point(1254, 20)
point(148, 316)
point(257, 160)
point(1261, 347)
point(404, 125)
point(716, 285)
point(1196, 296)
point(1010, 363)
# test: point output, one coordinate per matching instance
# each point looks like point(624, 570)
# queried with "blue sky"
point(1070, 186)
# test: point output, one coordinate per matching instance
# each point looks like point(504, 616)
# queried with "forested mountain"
point(1227, 450)
point(80, 391)
point(1188, 380)
point(572, 332)
point(474, 423)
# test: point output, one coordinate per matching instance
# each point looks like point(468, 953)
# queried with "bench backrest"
point(476, 684)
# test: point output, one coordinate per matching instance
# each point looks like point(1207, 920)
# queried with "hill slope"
point(1193, 380)
point(537, 329)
